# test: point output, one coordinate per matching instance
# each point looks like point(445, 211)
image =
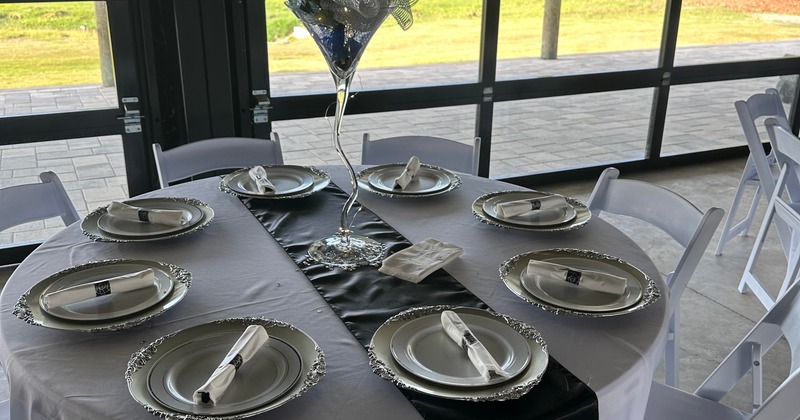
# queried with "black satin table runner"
point(365, 298)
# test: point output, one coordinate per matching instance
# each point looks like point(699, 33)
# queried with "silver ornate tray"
point(153, 360)
point(572, 300)
point(110, 316)
point(581, 218)
point(236, 182)
point(435, 180)
point(384, 364)
point(423, 348)
point(141, 232)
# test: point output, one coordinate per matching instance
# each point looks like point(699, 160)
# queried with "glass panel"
point(92, 170)
point(702, 116)
point(589, 36)
point(443, 32)
point(308, 142)
point(718, 31)
point(569, 131)
point(55, 57)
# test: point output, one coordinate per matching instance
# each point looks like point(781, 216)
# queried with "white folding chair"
point(436, 151)
point(758, 168)
point(678, 218)
point(783, 320)
point(214, 154)
point(783, 213)
point(29, 202)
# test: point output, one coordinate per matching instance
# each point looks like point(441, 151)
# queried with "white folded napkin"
point(141, 214)
point(259, 175)
point(478, 355)
point(593, 280)
point(86, 291)
point(409, 172)
point(515, 208)
point(420, 260)
point(243, 350)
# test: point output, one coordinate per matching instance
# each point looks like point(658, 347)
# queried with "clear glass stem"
point(342, 94)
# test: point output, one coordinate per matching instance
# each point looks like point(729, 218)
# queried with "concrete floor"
point(714, 314)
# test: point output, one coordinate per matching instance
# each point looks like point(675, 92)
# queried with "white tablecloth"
point(239, 270)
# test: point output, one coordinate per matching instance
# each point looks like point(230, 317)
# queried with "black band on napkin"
point(236, 361)
point(365, 298)
point(102, 288)
point(573, 277)
point(144, 216)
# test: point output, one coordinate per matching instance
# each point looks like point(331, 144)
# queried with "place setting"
point(459, 353)
point(410, 179)
point(226, 369)
point(105, 295)
point(147, 219)
point(275, 182)
point(578, 282)
point(531, 210)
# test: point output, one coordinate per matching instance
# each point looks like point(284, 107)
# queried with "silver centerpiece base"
point(346, 251)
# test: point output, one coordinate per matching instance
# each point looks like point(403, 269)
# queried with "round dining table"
point(239, 270)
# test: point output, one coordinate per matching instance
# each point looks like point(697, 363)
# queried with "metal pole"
point(552, 17)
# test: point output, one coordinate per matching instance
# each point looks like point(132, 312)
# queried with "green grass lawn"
point(50, 44)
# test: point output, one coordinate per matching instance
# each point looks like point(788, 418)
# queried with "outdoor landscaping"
point(48, 44)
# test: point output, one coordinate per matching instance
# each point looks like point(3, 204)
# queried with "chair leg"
point(730, 228)
point(751, 214)
point(672, 352)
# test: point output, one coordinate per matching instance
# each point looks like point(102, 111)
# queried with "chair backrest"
point(436, 151)
point(665, 209)
point(30, 202)
point(214, 154)
point(782, 320)
point(786, 147)
point(761, 105)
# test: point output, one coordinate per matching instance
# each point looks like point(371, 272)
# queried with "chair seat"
point(667, 403)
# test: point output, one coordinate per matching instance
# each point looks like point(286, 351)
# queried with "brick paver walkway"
point(529, 136)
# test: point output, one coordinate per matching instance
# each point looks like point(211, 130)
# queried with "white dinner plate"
point(109, 315)
point(426, 181)
point(114, 305)
point(287, 179)
point(145, 232)
point(296, 186)
point(549, 217)
point(569, 299)
point(430, 181)
point(134, 228)
point(423, 348)
point(481, 211)
point(385, 365)
point(175, 375)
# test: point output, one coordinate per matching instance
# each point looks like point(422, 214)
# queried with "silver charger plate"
point(423, 348)
point(114, 305)
point(434, 181)
point(582, 213)
point(320, 180)
point(124, 227)
point(141, 364)
point(549, 217)
point(287, 179)
point(425, 181)
point(383, 363)
point(573, 300)
point(91, 228)
point(174, 376)
point(29, 309)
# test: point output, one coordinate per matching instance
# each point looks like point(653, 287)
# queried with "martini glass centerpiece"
point(342, 29)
